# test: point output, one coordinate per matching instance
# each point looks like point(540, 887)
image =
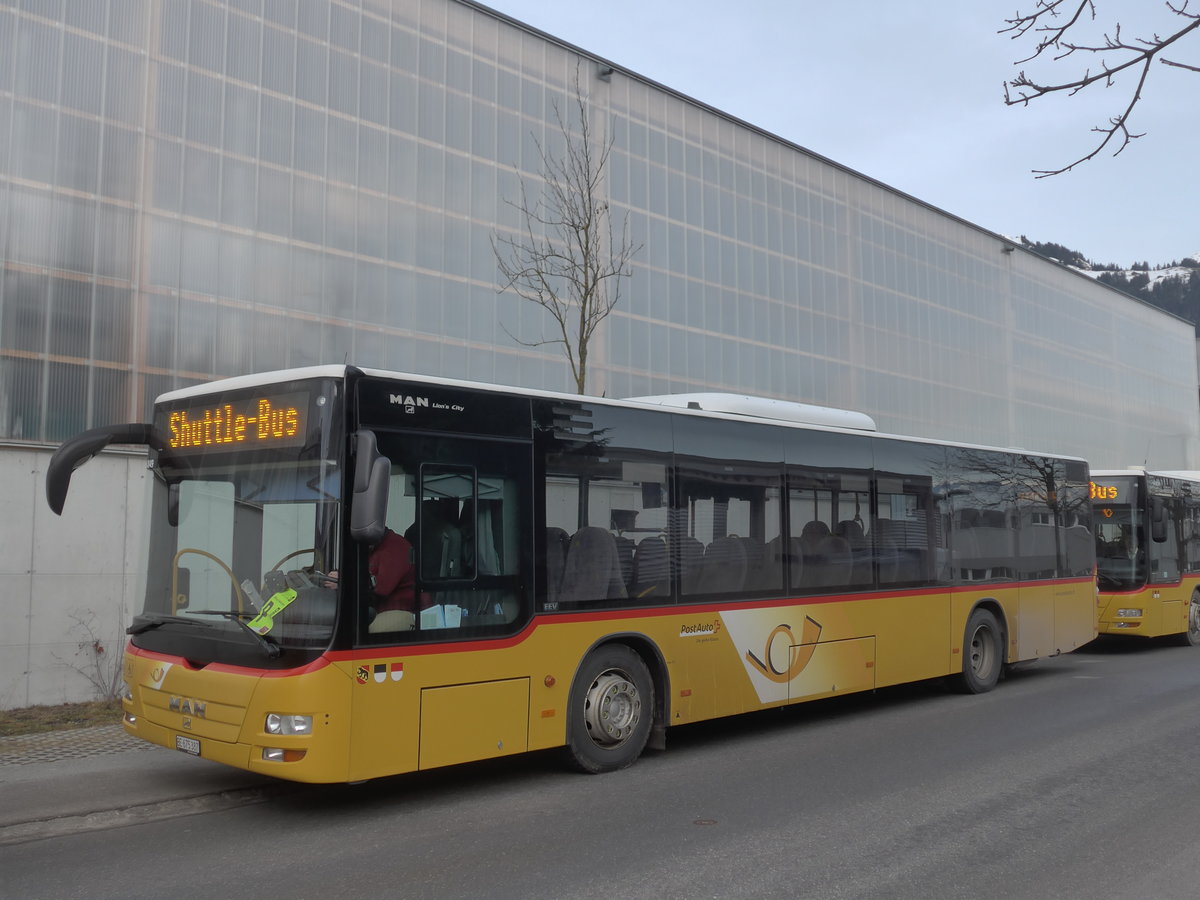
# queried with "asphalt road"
point(1077, 777)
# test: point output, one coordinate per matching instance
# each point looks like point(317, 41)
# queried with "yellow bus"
point(1147, 528)
point(577, 572)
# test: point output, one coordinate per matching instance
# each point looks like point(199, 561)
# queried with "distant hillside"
point(1174, 286)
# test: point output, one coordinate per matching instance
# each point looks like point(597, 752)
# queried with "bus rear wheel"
point(982, 653)
point(610, 710)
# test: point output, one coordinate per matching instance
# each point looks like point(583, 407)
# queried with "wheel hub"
point(981, 653)
point(613, 708)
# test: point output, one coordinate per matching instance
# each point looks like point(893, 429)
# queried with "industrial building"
point(191, 189)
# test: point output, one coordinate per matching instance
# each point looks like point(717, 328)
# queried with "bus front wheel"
point(1191, 637)
point(982, 653)
point(610, 710)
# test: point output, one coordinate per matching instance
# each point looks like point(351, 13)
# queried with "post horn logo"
point(800, 654)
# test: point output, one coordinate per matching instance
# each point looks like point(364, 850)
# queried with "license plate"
point(187, 744)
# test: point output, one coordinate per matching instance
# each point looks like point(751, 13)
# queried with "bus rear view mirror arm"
point(74, 453)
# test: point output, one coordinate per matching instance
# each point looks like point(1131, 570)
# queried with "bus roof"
point(679, 403)
point(1140, 470)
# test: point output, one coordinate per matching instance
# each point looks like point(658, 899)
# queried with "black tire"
point(1191, 637)
point(610, 710)
point(982, 653)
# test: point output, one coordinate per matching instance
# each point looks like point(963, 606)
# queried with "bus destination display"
point(262, 421)
point(1111, 492)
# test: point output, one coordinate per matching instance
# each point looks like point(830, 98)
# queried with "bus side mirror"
point(74, 453)
point(1158, 520)
point(368, 510)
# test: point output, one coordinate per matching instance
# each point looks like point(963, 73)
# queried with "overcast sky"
point(911, 94)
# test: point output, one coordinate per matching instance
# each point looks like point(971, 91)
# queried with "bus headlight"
point(284, 724)
point(126, 692)
point(1129, 613)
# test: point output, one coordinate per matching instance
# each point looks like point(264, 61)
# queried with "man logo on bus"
point(799, 654)
point(409, 403)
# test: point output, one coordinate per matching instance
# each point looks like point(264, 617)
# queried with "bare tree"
point(568, 257)
point(94, 658)
point(1055, 23)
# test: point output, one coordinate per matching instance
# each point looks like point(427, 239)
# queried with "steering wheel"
point(294, 554)
point(179, 600)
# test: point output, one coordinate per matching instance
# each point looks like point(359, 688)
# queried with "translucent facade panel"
point(300, 183)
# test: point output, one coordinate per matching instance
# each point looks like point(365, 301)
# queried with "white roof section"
point(264, 379)
point(1181, 475)
point(763, 408)
point(1141, 470)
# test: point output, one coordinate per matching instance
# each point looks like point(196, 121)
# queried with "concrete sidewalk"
point(70, 743)
point(83, 779)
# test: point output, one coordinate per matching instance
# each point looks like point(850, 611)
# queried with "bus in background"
point(1147, 527)
point(571, 572)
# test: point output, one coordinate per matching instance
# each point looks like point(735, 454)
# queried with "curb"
point(59, 826)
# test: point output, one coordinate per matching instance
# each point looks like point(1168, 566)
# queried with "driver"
point(393, 573)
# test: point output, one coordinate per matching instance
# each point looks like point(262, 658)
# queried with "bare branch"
point(1052, 21)
point(1179, 65)
point(1046, 10)
point(568, 259)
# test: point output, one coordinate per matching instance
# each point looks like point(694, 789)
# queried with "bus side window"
point(731, 541)
point(821, 557)
point(909, 532)
point(979, 509)
point(606, 507)
point(459, 505)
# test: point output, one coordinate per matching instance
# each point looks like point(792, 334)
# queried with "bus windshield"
point(1120, 537)
point(244, 532)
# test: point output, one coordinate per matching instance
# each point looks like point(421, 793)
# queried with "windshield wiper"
point(272, 649)
point(146, 624)
point(143, 624)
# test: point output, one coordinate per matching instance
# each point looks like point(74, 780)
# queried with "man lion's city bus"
point(1147, 528)
point(587, 572)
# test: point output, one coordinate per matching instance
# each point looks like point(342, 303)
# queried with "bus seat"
point(392, 620)
point(852, 532)
point(762, 571)
point(592, 570)
point(724, 566)
point(651, 569)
